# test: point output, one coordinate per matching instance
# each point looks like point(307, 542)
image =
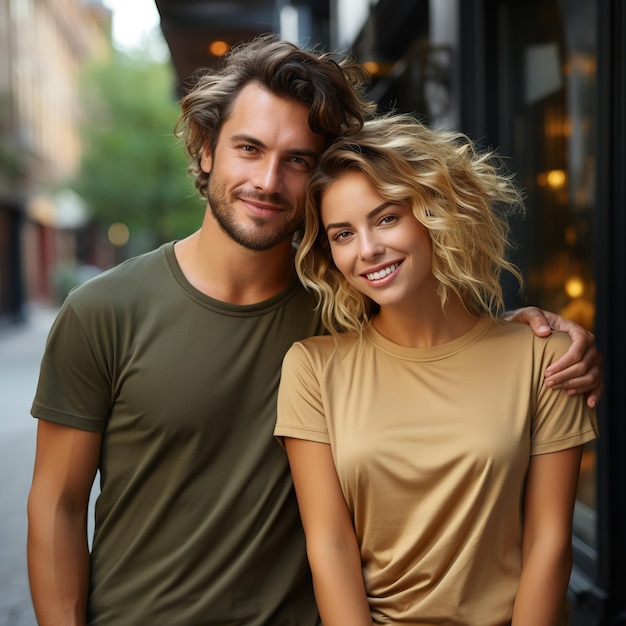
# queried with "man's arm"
point(66, 462)
point(579, 370)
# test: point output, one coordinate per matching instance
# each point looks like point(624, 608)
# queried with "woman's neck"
point(426, 326)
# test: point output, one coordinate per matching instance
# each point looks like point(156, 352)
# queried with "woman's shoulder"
point(322, 348)
point(326, 343)
point(519, 335)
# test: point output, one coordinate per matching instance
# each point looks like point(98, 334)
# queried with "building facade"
point(43, 45)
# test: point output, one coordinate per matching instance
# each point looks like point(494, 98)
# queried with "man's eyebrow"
point(247, 139)
point(242, 137)
point(373, 213)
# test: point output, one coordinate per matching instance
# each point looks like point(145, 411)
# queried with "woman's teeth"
point(382, 273)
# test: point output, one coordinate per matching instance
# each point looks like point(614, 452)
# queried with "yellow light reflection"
point(372, 67)
point(218, 48)
point(556, 178)
point(574, 287)
point(118, 234)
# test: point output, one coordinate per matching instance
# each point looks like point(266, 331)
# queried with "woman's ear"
point(206, 158)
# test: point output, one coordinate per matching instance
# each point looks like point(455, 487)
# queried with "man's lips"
point(262, 209)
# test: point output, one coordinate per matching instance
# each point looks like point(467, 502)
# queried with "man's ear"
point(206, 159)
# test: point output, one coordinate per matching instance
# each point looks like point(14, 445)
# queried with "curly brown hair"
point(334, 90)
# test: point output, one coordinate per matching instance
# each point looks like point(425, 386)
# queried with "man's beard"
point(258, 239)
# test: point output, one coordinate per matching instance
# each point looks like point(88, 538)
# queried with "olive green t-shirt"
point(196, 522)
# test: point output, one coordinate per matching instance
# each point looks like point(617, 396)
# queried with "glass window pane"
point(553, 130)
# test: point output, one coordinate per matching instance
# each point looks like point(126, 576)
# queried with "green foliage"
point(133, 169)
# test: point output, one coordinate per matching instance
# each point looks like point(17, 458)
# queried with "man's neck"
point(223, 269)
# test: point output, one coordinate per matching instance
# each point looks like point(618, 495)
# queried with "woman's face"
point(380, 248)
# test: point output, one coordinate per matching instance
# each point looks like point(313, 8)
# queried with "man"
point(162, 374)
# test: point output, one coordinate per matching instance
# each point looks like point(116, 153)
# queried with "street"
point(21, 347)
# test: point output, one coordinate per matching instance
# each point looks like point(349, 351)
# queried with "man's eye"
point(300, 162)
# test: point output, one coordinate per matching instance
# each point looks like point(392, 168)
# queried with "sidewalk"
point(21, 347)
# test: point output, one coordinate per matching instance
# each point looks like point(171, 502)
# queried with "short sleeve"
point(560, 421)
point(74, 387)
point(300, 411)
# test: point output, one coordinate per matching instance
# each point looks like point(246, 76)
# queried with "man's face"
point(260, 167)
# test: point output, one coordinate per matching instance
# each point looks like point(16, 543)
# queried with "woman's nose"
point(371, 247)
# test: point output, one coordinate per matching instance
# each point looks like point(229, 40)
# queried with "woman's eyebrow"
point(373, 213)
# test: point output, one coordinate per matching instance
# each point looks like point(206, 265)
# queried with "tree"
point(133, 170)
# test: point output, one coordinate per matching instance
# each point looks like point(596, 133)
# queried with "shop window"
point(552, 50)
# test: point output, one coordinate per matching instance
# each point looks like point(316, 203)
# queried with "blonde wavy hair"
point(460, 194)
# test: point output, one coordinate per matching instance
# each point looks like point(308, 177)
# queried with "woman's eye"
point(388, 219)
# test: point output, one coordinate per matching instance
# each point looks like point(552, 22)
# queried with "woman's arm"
point(579, 370)
point(331, 543)
point(66, 462)
point(547, 537)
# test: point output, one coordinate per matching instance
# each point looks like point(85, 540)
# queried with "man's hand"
point(579, 370)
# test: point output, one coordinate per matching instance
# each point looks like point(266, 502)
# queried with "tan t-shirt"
point(432, 447)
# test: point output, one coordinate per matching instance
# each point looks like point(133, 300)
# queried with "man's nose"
point(268, 175)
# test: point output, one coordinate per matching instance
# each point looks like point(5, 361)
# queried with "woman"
point(435, 472)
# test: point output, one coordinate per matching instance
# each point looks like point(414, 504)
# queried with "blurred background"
point(91, 174)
